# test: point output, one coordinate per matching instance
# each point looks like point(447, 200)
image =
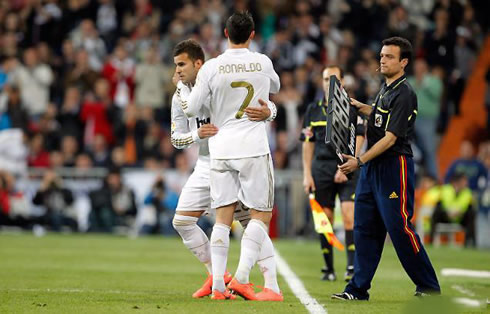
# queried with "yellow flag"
point(322, 224)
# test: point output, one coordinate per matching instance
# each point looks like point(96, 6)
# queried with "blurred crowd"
point(89, 82)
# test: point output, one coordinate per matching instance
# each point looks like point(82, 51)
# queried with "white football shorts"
point(248, 180)
point(195, 195)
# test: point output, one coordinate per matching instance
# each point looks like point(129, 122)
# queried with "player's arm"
point(396, 126)
point(200, 93)
point(180, 136)
point(266, 112)
point(360, 134)
point(274, 78)
point(364, 109)
point(308, 149)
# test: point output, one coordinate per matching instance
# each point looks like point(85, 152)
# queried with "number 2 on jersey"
point(248, 98)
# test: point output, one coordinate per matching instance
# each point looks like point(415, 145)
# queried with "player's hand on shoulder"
point(207, 130)
point(340, 177)
point(258, 113)
point(309, 184)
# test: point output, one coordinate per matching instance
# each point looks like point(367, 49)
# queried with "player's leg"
point(395, 198)
point(256, 192)
point(347, 197)
point(369, 237)
point(323, 175)
point(266, 260)
point(193, 202)
point(224, 191)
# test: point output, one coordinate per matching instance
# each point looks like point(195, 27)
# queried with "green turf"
point(109, 274)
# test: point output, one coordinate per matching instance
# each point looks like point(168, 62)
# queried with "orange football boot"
point(207, 287)
point(246, 291)
point(218, 295)
point(269, 295)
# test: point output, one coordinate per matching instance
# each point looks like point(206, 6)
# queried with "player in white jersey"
point(241, 165)
point(195, 198)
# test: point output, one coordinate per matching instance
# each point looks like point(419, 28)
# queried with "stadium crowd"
point(89, 82)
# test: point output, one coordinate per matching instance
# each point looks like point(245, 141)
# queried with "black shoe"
point(329, 276)
point(349, 273)
point(345, 296)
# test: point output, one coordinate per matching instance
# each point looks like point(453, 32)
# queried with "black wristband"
point(359, 162)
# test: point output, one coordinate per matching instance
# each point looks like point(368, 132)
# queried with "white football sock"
point(267, 264)
point(220, 243)
point(194, 238)
point(252, 240)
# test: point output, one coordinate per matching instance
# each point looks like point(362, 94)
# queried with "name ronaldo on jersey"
point(240, 68)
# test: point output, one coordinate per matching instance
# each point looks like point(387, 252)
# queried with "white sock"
point(267, 264)
point(220, 243)
point(194, 238)
point(252, 240)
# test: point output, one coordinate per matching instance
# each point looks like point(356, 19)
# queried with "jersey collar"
point(396, 83)
point(236, 50)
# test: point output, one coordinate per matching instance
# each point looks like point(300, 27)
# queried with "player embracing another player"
point(241, 164)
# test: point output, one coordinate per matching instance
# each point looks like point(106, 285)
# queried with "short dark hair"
point(239, 26)
point(404, 45)
point(192, 48)
point(336, 66)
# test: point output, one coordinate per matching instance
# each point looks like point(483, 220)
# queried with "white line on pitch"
point(297, 287)
point(468, 302)
point(465, 273)
point(463, 290)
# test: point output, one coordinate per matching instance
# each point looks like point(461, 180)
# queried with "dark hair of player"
point(405, 46)
point(239, 26)
point(192, 48)
point(336, 66)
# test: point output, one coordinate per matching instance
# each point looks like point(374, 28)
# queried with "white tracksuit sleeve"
point(181, 134)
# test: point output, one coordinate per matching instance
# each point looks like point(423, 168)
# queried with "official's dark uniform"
point(324, 167)
point(385, 195)
point(324, 164)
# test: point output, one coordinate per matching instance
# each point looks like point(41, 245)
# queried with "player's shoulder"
point(209, 65)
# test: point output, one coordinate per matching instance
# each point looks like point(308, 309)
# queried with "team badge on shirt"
point(378, 120)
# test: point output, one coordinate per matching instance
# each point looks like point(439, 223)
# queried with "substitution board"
point(341, 121)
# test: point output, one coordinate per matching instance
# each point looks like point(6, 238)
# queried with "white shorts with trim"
point(195, 195)
point(248, 180)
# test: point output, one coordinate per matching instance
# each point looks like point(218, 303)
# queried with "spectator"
point(14, 209)
point(34, 80)
point(95, 114)
point(119, 72)
point(162, 202)
point(470, 166)
point(14, 115)
point(57, 201)
point(68, 115)
point(112, 205)
point(38, 156)
point(428, 89)
point(87, 38)
point(69, 150)
point(150, 78)
point(100, 152)
point(82, 76)
point(456, 206)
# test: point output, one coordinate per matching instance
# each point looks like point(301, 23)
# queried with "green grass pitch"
point(110, 274)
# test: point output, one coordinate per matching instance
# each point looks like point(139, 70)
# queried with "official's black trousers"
point(384, 203)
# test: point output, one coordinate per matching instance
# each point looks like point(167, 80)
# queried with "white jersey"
point(234, 80)
point(184, 130)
